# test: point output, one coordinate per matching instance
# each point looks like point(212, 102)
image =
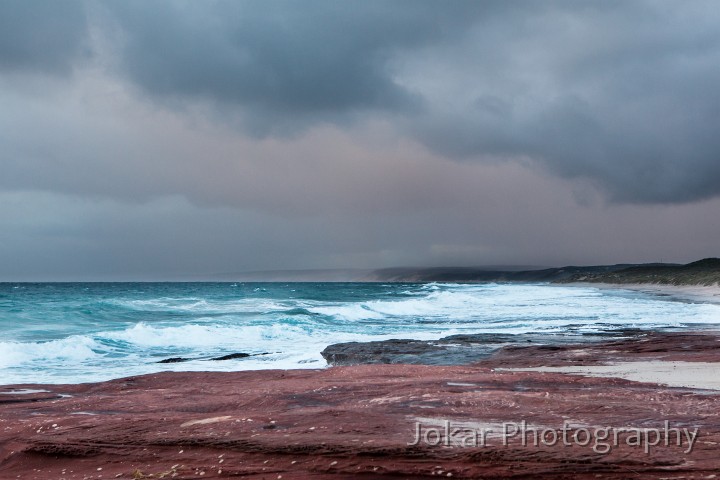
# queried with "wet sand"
point(699, 375)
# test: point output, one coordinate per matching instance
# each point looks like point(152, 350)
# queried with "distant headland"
point(702, 272)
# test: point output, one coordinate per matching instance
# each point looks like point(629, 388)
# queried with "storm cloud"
point(42, 36)
point(623, 93)
point(420, 131)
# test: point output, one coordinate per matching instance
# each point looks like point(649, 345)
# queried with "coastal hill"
point(701, 272)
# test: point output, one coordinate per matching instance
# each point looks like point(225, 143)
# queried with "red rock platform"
point(361, 421)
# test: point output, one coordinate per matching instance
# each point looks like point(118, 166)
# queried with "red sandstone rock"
point(356, 422)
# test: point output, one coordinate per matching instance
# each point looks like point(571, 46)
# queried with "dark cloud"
point(624, 96)
point(286, 63)
point(44, 36)
point(624, 93)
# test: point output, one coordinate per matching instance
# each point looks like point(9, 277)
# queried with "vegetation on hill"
point(702, 272)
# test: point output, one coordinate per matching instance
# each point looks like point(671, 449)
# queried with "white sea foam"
point(76, 348)
point(292, 332)
point(279, 346)
point(534, 306)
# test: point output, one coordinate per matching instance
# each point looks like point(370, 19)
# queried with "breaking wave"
point(99, 332)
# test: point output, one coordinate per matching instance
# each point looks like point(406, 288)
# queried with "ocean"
point(84, 332)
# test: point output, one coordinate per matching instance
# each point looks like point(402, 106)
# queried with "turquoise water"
point(75, 332)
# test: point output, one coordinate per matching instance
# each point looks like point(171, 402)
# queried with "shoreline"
point(694, 293)
point(341, 422)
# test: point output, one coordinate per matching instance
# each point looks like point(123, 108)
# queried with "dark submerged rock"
point(174, 360)
point(232, 356)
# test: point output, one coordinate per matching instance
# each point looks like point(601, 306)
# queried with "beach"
point(693, 293)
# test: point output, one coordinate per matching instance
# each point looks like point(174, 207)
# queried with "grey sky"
point(154, 139)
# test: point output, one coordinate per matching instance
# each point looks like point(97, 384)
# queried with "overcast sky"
point(151, 140)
